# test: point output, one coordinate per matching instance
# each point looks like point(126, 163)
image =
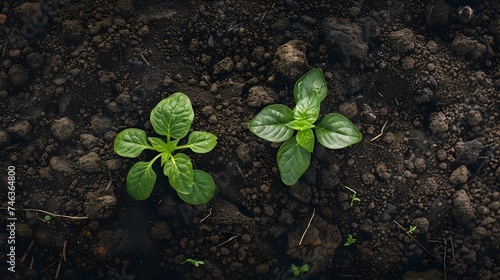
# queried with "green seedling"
point(193, 262)
point(170, 118)
point(411, 229)
point(296, 270)
point(354, 198)
point(278, 123)
point(47, 218)
point(350, 240)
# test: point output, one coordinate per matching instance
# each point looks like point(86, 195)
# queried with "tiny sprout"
point(298, 270)
point(47, 218)
point(193, 262)
point(350, 240)
point(411, 229)
point(354, 198)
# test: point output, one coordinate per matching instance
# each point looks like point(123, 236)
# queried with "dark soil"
point(420, 80)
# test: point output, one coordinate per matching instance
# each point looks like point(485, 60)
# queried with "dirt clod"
point(18, 75)
point(290, 60)
point(63, 128)
point(344, 38)
point(261, 96)
point(459, 175)
point(462, 208)
point(90, 162)
point(21, 128)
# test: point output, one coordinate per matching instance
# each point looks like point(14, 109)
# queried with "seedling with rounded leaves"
point(193, 262)
point(297, 270)
point(350, 240)
point(278, 123)
point(171, 118)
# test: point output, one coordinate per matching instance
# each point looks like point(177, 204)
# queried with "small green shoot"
point(298, 270)
point(354, 198)
point(411, 229)
point(47, 218)
point(350, 240)
point(193, 262)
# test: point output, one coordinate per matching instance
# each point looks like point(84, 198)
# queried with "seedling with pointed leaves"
point(278, 123)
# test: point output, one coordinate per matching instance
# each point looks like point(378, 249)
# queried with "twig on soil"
point(353, 191)
point(32, 262)
point(413, 238)
point(227, 241)
point(58, 270)
point(110, 180)
point(452, 249)
point(25, 256)
point(241, 173)
point(444, 260)
point(429, 15)
point(144, 59)
point(206, 79)
point(52, 214)
point(381, 132)
point(204, 218)
point(308, 226)
point(47, 268)
point(64, 251)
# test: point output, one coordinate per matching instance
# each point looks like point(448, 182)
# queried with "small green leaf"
point(270, 123)
point(300, 125)
point(173, 116)
point(141, 179)
point(305, 138)
point(200, 142)
point(203, 189)
point(313, 82)
point(131, 142)
point(293, 161)
point(307, 109)
point(158, 144)
point(179, 170)
point(336, 131)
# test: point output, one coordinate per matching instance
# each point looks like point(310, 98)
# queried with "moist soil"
point(419, 79)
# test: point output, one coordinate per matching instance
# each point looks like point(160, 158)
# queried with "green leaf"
point(141, 179)
point(336, 131)
point(307, 109)
point(312, 82)
point(305, 138)
point(179, 170)
point(158, 144)
point(293, 161)
point(131, 142)
point(200, 142)
point(173, 116)
point(203, 189)
point(270, 123)
point(299, 125)
point(304, 268)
